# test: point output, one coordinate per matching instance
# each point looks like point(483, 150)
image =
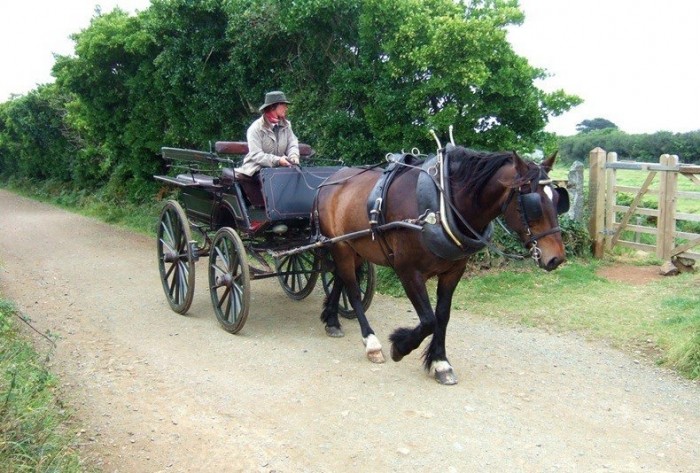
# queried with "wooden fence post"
point(666, 223)
point(610, 199)
point(596, 196)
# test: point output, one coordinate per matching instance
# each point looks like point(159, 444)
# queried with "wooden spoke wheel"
point(298, 273)
point(229, 280)
point(366, 279)
point(175, 257)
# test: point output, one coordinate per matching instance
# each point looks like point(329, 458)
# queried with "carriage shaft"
point(323, 242)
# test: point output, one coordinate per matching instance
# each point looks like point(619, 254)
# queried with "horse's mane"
point(472, 169)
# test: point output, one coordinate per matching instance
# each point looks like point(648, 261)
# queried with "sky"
point(633, 62)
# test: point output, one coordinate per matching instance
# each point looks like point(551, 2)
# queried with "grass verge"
point(33, 426)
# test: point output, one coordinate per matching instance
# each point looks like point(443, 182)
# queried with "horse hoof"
point(446, 377)
point(335, 332)
point(444, 374)
point(395, 355)
point(375, 356)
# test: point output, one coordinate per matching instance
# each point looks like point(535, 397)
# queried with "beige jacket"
point(266, 146)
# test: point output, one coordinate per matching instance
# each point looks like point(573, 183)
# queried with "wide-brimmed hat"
point(274, 97)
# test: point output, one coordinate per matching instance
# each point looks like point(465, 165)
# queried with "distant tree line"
point(638, 147)
point(366, 77)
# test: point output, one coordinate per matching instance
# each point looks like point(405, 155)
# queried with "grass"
point(660, 318)
point(34, 432)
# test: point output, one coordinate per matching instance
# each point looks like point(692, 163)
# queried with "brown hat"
point(272, 98)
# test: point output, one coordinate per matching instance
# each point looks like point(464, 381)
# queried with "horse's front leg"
point(404, 340)
point(435, 356)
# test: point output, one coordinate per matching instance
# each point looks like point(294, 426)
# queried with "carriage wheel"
point(229, 279)
point(366, 279)
point(300, 273)
point(176, 257)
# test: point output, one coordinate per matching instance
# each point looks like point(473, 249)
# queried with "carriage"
point(247, 230)
point(420, 215)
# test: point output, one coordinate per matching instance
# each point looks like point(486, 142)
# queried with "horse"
point(424, 237)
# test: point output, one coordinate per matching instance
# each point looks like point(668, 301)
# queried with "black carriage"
point(247, 229)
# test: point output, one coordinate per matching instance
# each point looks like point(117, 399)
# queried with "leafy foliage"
point(365, 76)
point(33, 142)
point(642, 147)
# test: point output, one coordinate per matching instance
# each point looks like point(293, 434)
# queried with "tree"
point(33, 138)
point(366, 77)
point(641, 147)
point(375, 75)
point(587, 126)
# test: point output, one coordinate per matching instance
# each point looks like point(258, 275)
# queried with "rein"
point(297, 168)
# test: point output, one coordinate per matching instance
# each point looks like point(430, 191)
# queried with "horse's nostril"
point(554, 263)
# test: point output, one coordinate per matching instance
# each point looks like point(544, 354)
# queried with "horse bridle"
point(530, 209)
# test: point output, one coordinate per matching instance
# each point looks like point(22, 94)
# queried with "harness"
point(438, 218)
point(440, 233)
point(398, 163)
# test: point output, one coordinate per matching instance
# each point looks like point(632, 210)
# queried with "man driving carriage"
point(271, 143)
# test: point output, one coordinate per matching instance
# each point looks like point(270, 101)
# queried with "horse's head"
point(532, 210)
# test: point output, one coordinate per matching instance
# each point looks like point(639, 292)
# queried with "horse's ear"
point(519, 163)
point(548, 163)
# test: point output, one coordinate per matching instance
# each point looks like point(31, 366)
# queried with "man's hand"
point(286, 162)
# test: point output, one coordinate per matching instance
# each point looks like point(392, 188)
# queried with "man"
point(271, 141)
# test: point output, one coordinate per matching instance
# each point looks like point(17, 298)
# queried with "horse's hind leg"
point(329, 315)
point(347, 265)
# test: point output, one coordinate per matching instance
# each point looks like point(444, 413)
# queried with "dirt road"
point(156, 391)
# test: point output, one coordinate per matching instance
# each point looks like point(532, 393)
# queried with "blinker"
point(531, 204)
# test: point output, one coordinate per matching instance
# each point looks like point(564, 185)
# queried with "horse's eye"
point(549, 192)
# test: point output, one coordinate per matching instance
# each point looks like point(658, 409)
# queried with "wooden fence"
point(610, 221)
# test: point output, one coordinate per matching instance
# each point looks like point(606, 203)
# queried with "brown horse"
point(436, 236)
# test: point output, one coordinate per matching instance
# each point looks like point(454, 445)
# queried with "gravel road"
point(156, 391)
